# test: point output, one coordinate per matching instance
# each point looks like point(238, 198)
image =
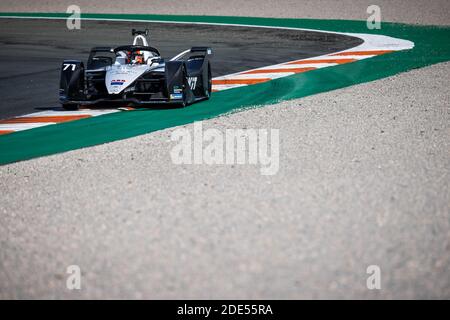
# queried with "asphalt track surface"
point(33, 50)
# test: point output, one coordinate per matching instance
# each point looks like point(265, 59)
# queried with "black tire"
point(70, 106)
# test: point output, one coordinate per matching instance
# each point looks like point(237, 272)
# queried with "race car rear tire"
point(70, 106)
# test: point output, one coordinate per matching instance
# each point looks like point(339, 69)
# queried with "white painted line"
point(346, 57)
point(255, 76)
point(81, 112)
point(358, 57)
point(372, 39)
point(220, 87)
point(23, 126)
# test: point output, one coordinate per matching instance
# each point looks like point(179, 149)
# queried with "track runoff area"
point(256, 53)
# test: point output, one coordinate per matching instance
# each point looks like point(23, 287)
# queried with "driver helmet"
point(139, 58)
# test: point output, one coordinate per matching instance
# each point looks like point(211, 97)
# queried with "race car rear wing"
point(100, 57)
point(194, 51)
point(207, 50)
point(135, 32)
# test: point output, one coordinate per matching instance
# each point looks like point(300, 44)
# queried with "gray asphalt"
point(33, 50)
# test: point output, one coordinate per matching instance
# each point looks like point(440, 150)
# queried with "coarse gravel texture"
point(409, 11)
point(363, 180)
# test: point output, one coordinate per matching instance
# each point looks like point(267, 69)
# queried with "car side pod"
point(71, 85)
point(177, 86)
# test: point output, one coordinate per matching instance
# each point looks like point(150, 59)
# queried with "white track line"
point(22, 126)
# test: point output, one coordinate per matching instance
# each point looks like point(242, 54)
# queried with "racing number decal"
point(68, 65)
point(192, 82)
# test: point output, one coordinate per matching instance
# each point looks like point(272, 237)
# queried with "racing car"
point(136, 75)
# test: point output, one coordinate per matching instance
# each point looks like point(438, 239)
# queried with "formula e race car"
point(136, 75)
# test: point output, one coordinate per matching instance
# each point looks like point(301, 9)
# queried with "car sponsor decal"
point(192, 81)
point(177, 89)
point(117, 82)
point(175, 96)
